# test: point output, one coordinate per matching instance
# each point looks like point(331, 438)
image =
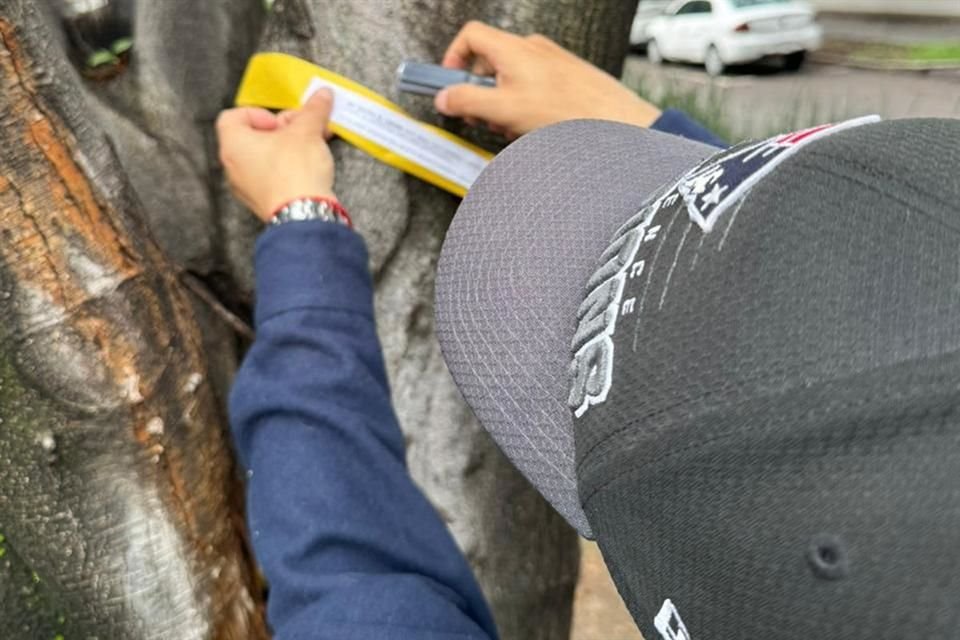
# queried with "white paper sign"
point(402, 135)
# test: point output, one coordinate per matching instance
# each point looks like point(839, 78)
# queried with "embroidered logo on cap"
point(669, 623)
point(705, 192)
point(717, 183)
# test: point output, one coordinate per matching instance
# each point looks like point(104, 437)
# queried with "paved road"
point(598, 611)
point(758, 101)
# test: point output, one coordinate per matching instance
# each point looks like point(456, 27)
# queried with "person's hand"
point(271, 159)
point(538, 83)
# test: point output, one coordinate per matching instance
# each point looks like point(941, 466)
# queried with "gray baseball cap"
point(513, 270)
point(736, 369)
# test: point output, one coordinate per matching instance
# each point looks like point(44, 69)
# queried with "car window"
point(741, 4)
point(696, 6)
point(653, 8)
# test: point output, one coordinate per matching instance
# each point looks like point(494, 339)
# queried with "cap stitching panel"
point(648, 416)
point(510, 281)
point(498, 249)
point(565, 493)
point(872, 398)
point(883, 192)
point(720, 437)
point(469, 362)
point(559, 485)
point(493, 397)
point(762, 376)
point(558, 161)
point(628, 425)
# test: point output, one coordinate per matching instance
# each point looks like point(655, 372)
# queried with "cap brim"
point(514, 268)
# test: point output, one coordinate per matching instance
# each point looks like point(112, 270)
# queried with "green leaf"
point(100, 58)
point(121, 46)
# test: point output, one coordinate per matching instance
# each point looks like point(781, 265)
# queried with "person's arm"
point(350, 548)
point(540, 83)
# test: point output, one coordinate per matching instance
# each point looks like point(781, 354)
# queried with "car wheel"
point(793, 61)
point(714, 63)
point(653, 52)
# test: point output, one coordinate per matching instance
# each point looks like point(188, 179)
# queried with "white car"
point(718, 33)
point(647, 11)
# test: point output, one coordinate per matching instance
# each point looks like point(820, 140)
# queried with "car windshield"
point(741, 4)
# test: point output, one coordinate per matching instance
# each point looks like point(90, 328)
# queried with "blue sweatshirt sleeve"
point(680, 124)
point(350, 547)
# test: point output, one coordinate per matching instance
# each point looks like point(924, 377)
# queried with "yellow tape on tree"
point(366, 120)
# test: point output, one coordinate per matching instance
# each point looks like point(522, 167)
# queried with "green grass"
point(935, 51)
point(932, 52)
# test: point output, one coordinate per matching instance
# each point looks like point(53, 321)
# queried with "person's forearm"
point(349, 545)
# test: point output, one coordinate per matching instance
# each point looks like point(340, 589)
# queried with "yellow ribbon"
point(280, 81)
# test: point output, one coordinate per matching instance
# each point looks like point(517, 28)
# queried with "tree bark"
point(187, 60)
point(524, 555)
point(119, 509)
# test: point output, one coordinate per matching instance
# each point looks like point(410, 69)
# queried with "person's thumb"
point(314, 116)
point(472, 101)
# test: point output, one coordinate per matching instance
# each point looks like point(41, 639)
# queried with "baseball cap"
point(736, 369)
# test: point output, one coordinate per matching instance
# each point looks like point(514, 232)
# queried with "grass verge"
point(920, 55)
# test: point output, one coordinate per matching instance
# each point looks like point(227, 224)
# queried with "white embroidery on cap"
point(669, 623)
point(706, 191)
point(717, 183)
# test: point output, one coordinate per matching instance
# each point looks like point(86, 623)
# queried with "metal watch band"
point(307, 209)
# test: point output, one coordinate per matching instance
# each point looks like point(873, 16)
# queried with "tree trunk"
point(524, 554)
point(98, 340)
point(119, 508)
point(187, 61)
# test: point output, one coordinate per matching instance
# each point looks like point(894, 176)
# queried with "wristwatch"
point(312, 209)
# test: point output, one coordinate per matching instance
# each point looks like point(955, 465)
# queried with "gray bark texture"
point(120, 512)
point(158, 113)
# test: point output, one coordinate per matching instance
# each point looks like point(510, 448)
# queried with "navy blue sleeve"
point(680, 124)
point(350, 547)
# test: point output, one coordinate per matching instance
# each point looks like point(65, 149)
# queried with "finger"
point(472, 101)
point(290, 115)
point(314, 117)
point(482, 68)
point(262, 120)
point(473, 122)
point(477, 39)
point(247, 118)
point(497, 129)
point(454, 61)
point(236, 130)
point(287, 116)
